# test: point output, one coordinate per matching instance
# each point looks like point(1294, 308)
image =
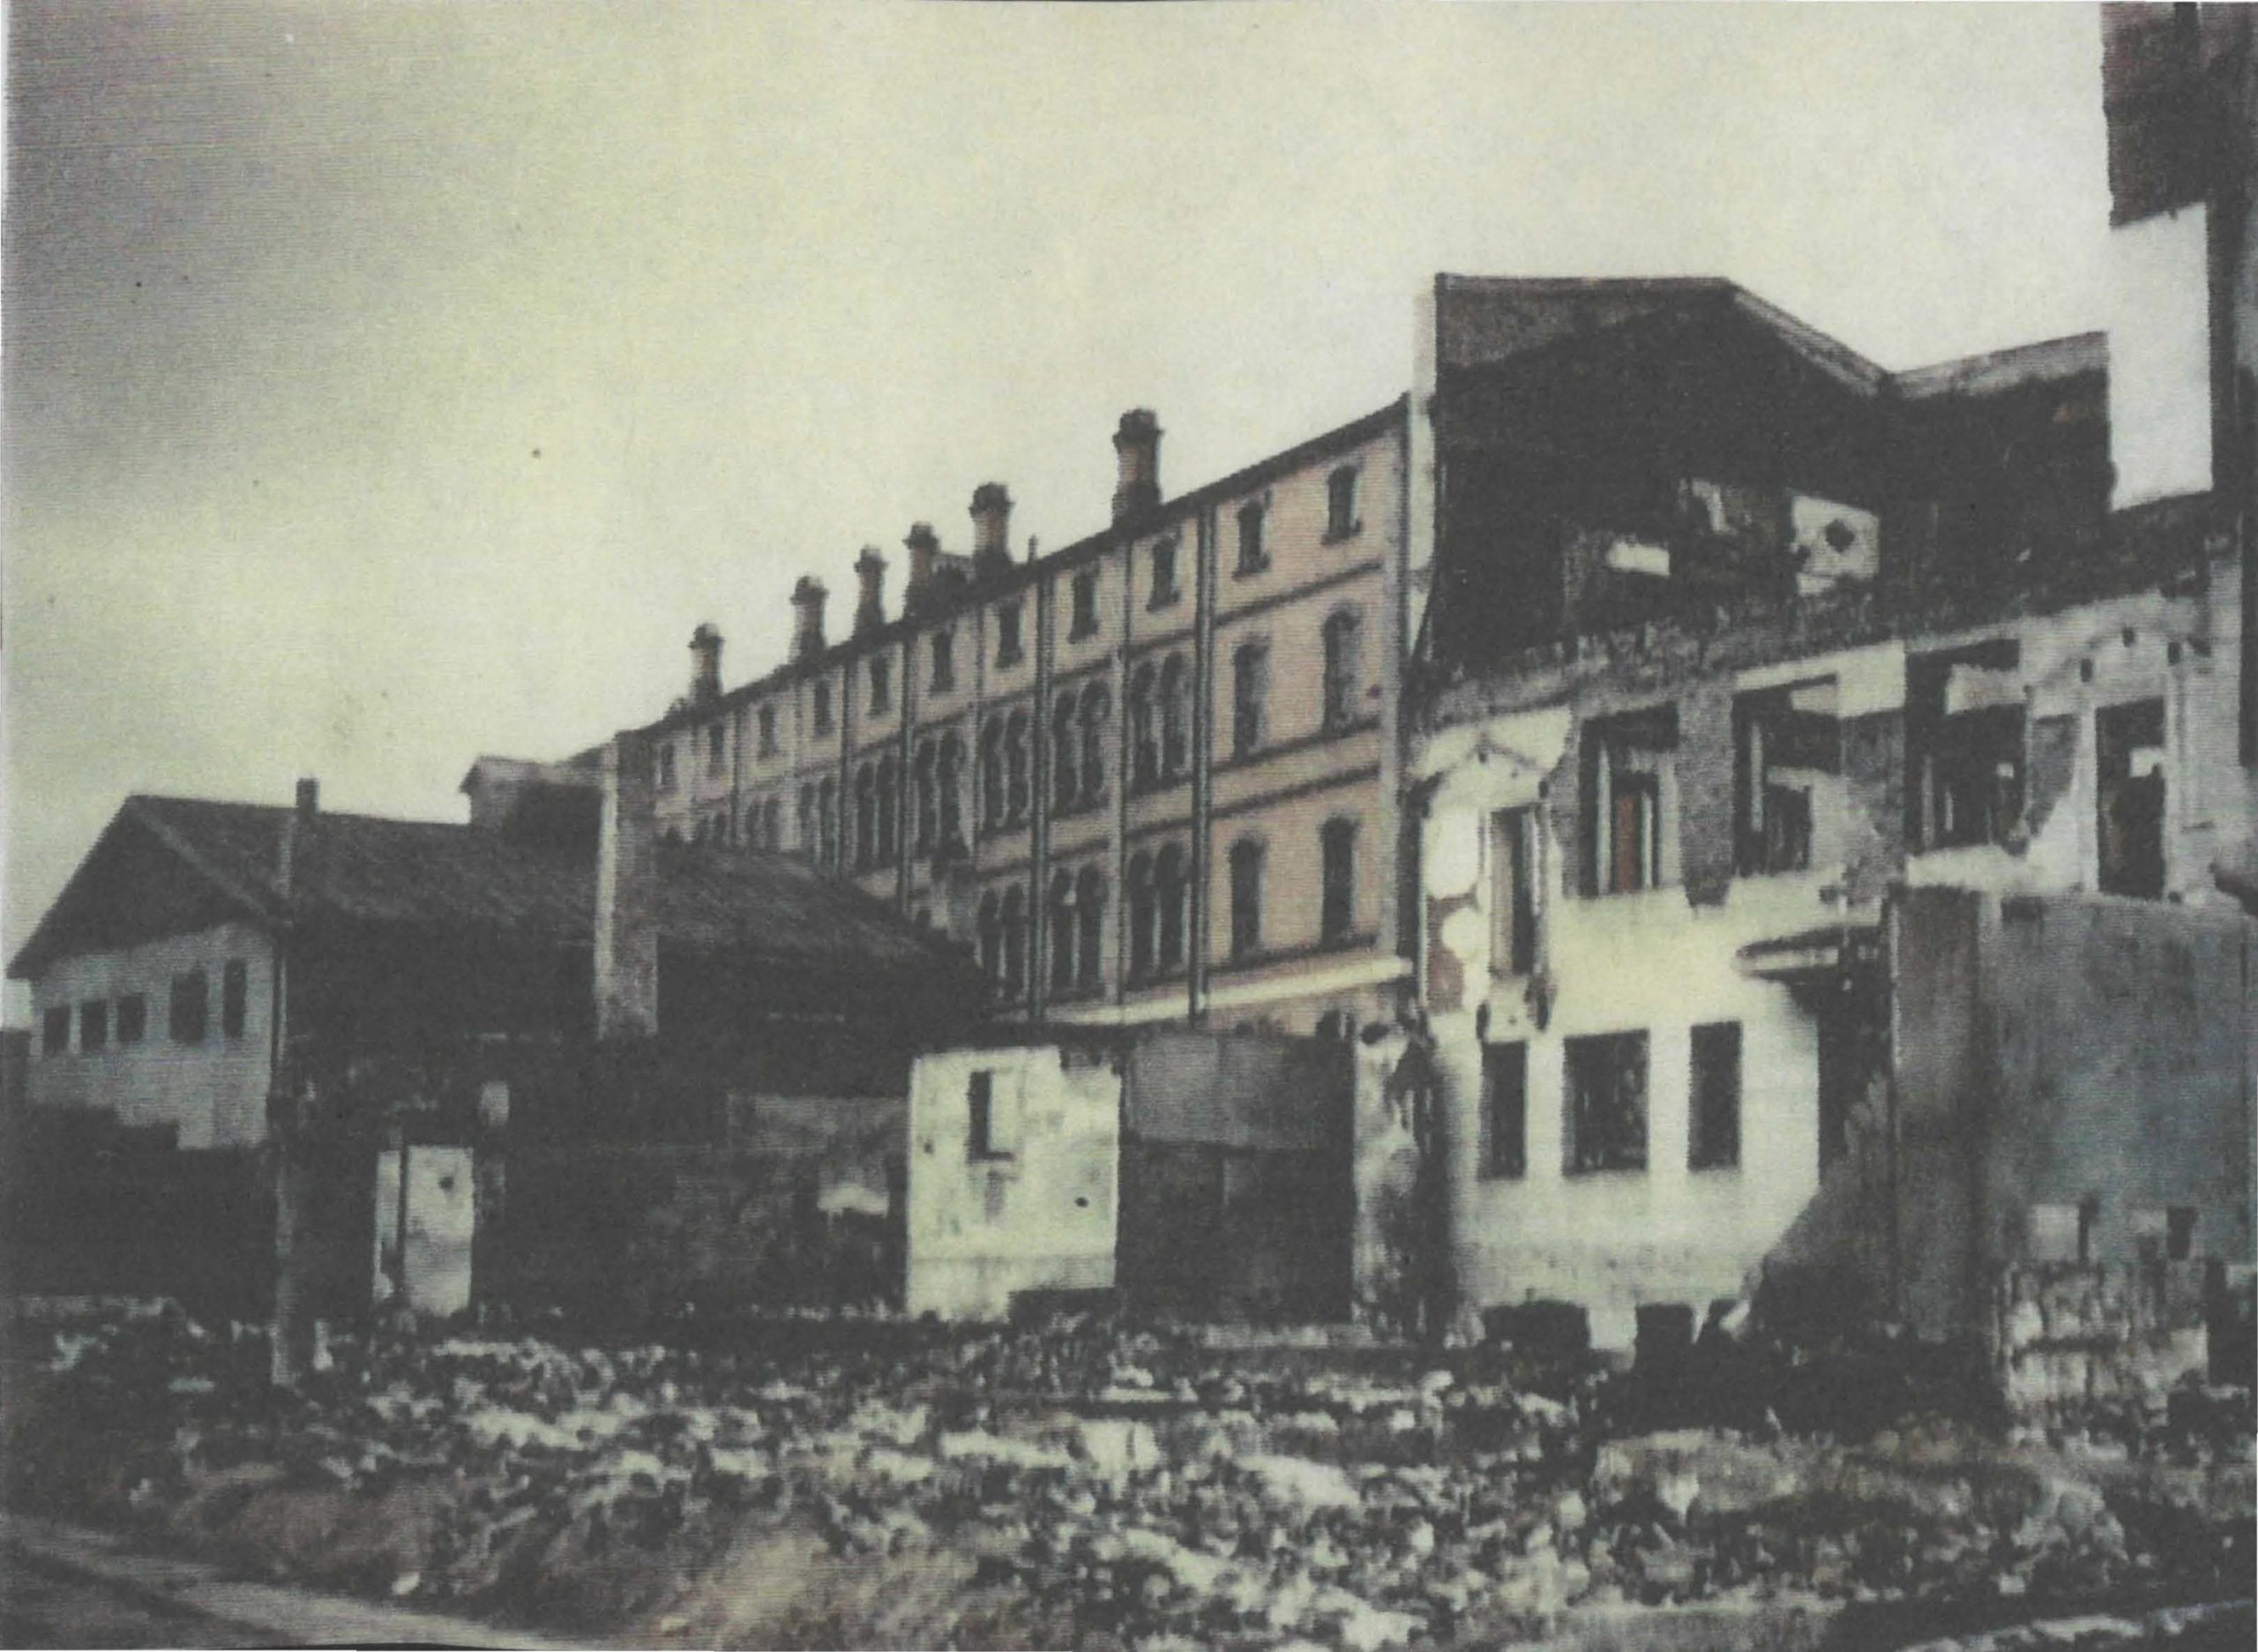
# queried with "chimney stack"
point(1137, 444)
point(924, 547)
point(807, 617)
point(869, 600)
point(626, 931)
point(308, 798)
point(705, 665)
point(991, 529)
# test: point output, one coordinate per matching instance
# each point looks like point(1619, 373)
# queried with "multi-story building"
point(1148, 776)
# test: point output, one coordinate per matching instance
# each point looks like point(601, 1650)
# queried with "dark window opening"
point(943, 651)
point(1171, 886)
point(54, 1032)
point(716, 740)
point(1246, 898)
point(1089, 935)
point(1164, 586)
point(1176, 717)
point(1964, 746)
point(819, 706)
point(1253, 555)
point(93, 1026)
point(881, 684)
point(1084, 622)
point(234, 998)
point(1513, 845)
point(2178, 1232)
point(132, 1018)
point(1504, 1111)
point(1715, 1101)
point(1787, 753)
point(768, 719)
point(190, 1007)
point(1337, 913)
point(985, 1138)
point(1250, 697)
point(1009, 650)
point(1066, 754)
point(1628, 779)
point(1606, 1122)
point(1343, 685)
point(2128, 755)
point(1144, 914)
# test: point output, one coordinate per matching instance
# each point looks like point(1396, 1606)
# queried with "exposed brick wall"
point(1873, 789)
point(1705, 791)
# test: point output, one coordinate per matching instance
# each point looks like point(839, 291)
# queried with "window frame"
point(940, 645)
point(55, 1023)
point(93, 1026)
point(1517, 900)
point(877, 689)
point(1708, 1147)
point(1342, 487)
point(1245, 863)
point(190, 1007)
point(134, 1028)
point(1583, 1152)
point(1011, 642)
point(1253, 556)
point(1167, 579)
point(1250, 697)
point(234, 998)
point(1342, 642)
point(1607, 782)
point(1082, 605)
point(1505, 1151)
point(1337, 882)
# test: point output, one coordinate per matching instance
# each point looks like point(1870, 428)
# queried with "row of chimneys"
point(1136, 494)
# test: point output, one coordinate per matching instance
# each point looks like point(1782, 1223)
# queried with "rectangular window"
point(1629, 786)
point(1337, 917)
point(93, 1026)
point(716, 740)
point(190, 1007)
point(1340, 504)
point(1084, 622)
point(769, 731)
point(1714, 1102)
point(1964, 746)
point(1513, 849)
point(1504, 1111)
point(1253, 555)
point(132, 1018)
point(2128, 757)
point(666, 766)
point(990, 1128)
point(1606, 1104)
point(55, 1031)
point(1787, 764)
point(1009, 648)
point(1250, 697)
point(819, 705)
point(1164, 588)
point(944, 651)
point(234, 998)
point(1246, 899)
point(1343, 686)
point(881, 670)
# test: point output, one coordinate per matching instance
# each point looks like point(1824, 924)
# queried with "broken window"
point(1253, 556)
point(94, 1025)
point(1964, 745)
point(1250, 697)
point(55, 1031)
point(1505, 1110)
point(1337, 911)
point(1513, 894)
point(1630, 796)
point(1246, 898)
point(1787, 768)
point(1084, 622)
point(1009, 648)
point(881, 684)
point(2128, 758)
point(1164, 586)
point(1343, 669)
point(190, 1006)
point(1606, 1122)
point(132, 1018)
point(1714, 1101)
point(991, 1127)
point(1340, 504)
point(234, 998)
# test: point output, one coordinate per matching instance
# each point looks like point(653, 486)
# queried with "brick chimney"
point(870, 600)
point(807, 617)
point(991, 529)
point(1137, 444)
point(924, 547)
point(705, 665)
point(308, 798)
point(627, 885)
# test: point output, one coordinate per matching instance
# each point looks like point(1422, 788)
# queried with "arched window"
point(1176, 717)
point(1065, 746)
point(990, 931)
point(1097, 706)
point(1090, 933)
point(1250, 697)
point(929, 800)
point(1018, 782)
point(1343, 685)
point(1143, 916)
point(1246, 898)
point(1012, 916)
point(1144, 728)
point(889, 804)
point(991, 775)
point(949, 780)
point(1062, 931)
point(866, 816)
point(1337, 918)
point(1169, 888)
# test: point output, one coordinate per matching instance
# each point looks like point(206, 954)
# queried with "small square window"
point(132, 1018)
point(1504, 1111)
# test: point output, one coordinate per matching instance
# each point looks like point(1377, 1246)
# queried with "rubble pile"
point(1131, 1487)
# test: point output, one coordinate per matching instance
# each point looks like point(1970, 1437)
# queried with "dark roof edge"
point(1024, 574)
point(1994, 370)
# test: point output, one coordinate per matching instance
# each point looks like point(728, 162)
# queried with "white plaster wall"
point(980, 1231)
point(214, 1091)
point(2160, 357)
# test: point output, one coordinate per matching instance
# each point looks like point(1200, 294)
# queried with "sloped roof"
point(363, 869)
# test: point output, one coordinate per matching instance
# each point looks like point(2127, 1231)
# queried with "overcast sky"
point(387, 383)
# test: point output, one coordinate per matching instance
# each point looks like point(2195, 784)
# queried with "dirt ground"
point(864, 1481)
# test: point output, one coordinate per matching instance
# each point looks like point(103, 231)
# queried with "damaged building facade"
point(1833, 797)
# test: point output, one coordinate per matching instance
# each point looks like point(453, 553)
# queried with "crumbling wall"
point(2068, 1332)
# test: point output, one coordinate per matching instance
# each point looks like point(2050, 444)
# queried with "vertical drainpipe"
point(905, 796)
point(1398, 899)
point(733, 724)
point(846, 712)
point(1039, 807)
point(1203, 671)
point(1123, 770)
